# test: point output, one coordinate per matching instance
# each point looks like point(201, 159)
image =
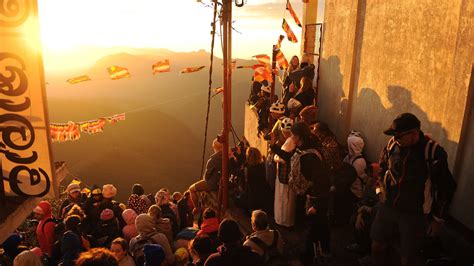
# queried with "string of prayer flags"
point(78, 79)
point(115, 118)
point(289, 33)
point(65, 132)
point(161, 67)
point(280, 39)
point(292, 13)
point(71, 131)
point(281, 60)
point(116, 72)
point(191, 69)
point(93, 127)
point(263, 58)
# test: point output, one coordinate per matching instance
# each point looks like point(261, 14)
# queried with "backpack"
point(271, 255)
point(429, 154)
point(137, 249)
point(59, 227)
point(297, 182)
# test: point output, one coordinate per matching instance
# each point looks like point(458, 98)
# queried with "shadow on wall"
point(369, 115)
point(331, 97)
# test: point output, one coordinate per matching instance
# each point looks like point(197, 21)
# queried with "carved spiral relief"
point(13, 12)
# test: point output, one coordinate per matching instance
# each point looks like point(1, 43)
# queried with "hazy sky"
point(68, 26)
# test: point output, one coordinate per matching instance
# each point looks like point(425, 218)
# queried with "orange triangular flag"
point(116, 72)
point(263, 58)
point(78, 79)
point(161, 67)
point(281, 60)
point(191, 69)
point(289, 33)
point(292, 13)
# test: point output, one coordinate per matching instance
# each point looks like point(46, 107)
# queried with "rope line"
point(213, 32)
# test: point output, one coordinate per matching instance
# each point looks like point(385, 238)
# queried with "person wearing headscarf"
point(163, 225)
point(146, 230)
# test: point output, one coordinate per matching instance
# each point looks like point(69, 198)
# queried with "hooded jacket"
point(409, 185)
point(146, 229)
point(45, 229)
point(129, 231)
point(355, 145)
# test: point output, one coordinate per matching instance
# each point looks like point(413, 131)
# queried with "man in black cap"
point(416, 186)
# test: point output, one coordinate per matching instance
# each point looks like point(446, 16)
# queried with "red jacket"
point(209, 226)
point(45, 234)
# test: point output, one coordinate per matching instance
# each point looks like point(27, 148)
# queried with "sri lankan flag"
point(116, 72)
point(78, 79)
point(263, 58)
point(161, 67)
point(289, 33)
point(191, 69)
point(281, 60)
point(292, 13)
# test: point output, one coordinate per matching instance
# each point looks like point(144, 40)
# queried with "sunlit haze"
point(77, 32)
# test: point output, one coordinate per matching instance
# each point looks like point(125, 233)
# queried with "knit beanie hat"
point(229, 231)
point(106, 214)
point(154, 254)
point(138, 189)
point(43, 207)
point(73, 187)
point(109, 191)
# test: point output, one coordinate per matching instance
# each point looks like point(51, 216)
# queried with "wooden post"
point(227, 43)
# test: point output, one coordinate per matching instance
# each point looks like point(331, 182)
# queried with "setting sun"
point(74, 27)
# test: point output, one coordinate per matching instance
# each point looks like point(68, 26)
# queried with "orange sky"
point(71, 27)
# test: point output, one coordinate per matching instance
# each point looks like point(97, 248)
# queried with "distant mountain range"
point(160, 143)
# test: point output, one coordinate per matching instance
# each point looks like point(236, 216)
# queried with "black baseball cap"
point(403, 123)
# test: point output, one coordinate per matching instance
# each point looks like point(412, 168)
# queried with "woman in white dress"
point(285, 198)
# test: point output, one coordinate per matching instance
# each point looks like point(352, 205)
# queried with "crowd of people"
point(306, 177)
